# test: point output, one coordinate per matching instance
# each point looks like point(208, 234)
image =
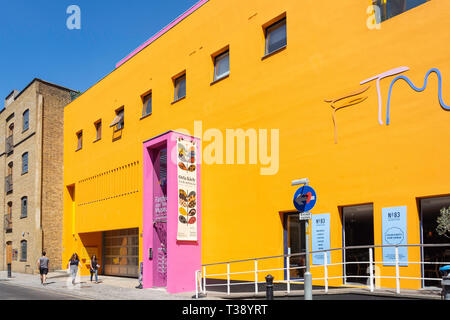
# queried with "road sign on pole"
point(305, 199)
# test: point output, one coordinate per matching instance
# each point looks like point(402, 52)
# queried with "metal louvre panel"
point(121, 253)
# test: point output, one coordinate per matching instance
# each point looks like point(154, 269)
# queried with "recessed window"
point(119, 121)
point(26, 120)
point(8, 218)
point(276, 37)
point(180, 87)
point(98, 130)
point(25, 163)
point(23, 250)
point(222, 65)
point(24, 211)
point(147, 106)
point(9, 178)
point(79, 140)
point(392, 8)
point(11, 130)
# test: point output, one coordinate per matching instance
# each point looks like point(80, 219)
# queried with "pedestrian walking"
point(43, 263)
point(74, 262)
point(141, 274)
point(94, 268)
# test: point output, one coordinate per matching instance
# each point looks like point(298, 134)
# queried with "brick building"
point(31, 162)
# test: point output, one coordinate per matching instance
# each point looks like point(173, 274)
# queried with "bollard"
point(445, 282)
point(269, 287)
point(9, 270)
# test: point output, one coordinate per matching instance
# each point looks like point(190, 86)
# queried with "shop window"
point(79, 140)
point(26, 120)
point(436, 253)
point(392, 8)
point(24, 211)
point(23, 250)
point(119, 121)
point(147, 105)
point(98, 130)
point(276, 36)
point(222, 65)
point(180, 87)
point(25, 163)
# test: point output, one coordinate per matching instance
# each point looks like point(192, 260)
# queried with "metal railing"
point(201, 275)
point(8, 223)
point(8, 184)
point(9, 145)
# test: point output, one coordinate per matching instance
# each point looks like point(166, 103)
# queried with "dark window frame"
point(25, 156)
point(24, 207)
point(147, 98)
point(120, 125)
point(279, 23)
point(98, 130)
point(23, 253)
point(388, 11)
point(176, 81)
point(26, 120)
point(79, 135)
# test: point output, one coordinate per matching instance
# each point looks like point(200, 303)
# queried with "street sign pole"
point(304, 200)
point(307, 276)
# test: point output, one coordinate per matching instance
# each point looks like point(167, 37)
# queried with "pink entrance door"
point(159, 250)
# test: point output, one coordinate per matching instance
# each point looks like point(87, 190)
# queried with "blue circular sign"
point(305, 199)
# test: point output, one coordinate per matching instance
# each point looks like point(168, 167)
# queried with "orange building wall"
point(330, 50)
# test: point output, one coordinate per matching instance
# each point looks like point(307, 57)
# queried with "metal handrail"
point(201, 283)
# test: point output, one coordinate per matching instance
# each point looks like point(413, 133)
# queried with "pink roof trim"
point(163, 31)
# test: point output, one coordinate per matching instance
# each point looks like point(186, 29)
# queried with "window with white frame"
point(222, 65)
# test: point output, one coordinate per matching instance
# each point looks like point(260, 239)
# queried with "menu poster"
point(395, 232)
point(187, 190)
point(320, 240)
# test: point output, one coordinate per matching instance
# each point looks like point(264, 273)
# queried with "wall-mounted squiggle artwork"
point(441, 100)
point(345, 105)
point(379, 77)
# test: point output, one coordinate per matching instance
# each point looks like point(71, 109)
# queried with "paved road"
point(13, 292)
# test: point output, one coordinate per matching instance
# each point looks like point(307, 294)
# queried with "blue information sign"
point(305, 199)
point(395, 232)
point(320, 238)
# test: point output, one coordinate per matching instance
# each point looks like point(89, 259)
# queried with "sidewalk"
point(109, 288)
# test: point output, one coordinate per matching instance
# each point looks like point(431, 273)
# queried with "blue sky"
point(36, 43)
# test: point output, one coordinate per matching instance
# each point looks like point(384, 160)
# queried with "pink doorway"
point(171, 255)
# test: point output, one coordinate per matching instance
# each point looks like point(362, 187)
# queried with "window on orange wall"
point(392, 8)
point(222, 65)
point(276, 36)
point(98, 130)
point(147, 105)
point(180, 87)
point(79, 140)
point(119, 121)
